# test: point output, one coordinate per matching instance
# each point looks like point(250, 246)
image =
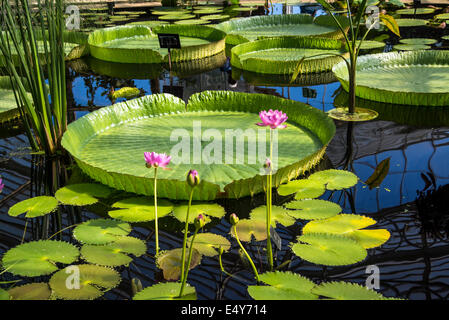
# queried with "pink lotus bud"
point(233, 219)
point(193, 178)
point(199, 221)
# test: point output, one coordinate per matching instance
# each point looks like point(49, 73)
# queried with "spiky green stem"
point(156, 227)
point(246, 253)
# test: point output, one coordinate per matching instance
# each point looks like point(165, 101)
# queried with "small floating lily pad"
point(208, 209)
point(278, 215)
point(31, 291)
point(208, 243)
point(247, 228)
point(283, 286)
point(140, 209)
point(174, 17)
point(192, 21)
point(38, 258)
point(340, 290)
point(82, 194)
point(413, 11)
point(166, 291)
point(442, 16)
point(335, 179)
point(411, 47)
point(329, 250)
point(4, 295)
point(215, 17)
point(359, 114)
point(115, 253)
point(304, 189)
point(94, 281)
point(313, 209)
point(208, 11)
point(34, 207)
point(411, 22)
point(371, 44)
point(101, 231)
point(170, 262)
point(418, 41)
point(149, 23)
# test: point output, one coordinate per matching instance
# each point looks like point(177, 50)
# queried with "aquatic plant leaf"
point(140, 209)
point(340, 290)
point(115, 253)
point(379, 174)
point(94, 282)
point(208, 209)
point(413, 11)
point(328, 249)
point(31, 291)
point(359, 114)
point(370, 44)
point(410, 47)
point(304, 188)
point(4, 295)
point(126, 92)
point(170, 262)
point(349, 225)
point(37, 258)
point(313, 209)
point(166, 291)
point(101, 231)
point(34, 207)
point(192, 21)
point(278, 215)
point(207, 244)
point(390, 23)
point(283, 286)
point(410, 22)
point(82, 194)
point(442, 16)
point(335, 179)
point(247, 228)
point(418, 41)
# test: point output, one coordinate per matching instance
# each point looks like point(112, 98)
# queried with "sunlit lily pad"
point(329, 249)
point(192, 21)
point(215, 17)
point(115, 253)
point(208, 209)
point(4, 295)
point(413, 11)
point(359, 114)
point(173, 17)
point(305, 189)
point(38, 258)
point(247, 228)
point(34, 207)
point(31, 291)
point(278, 215)
point(283, 286)
point(170, 262)
point(208, 243)
point(166, 291)
point(410, 47)
point(140, 209)
point(101, 231)
point(335, 179)
point(418, 41)
point(94, 281)
point(82, 194)
point(346, 291)
point(411, 22)
point(442, 16)
point(349, 225)
point(313, 209)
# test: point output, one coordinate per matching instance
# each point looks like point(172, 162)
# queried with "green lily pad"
point(149, 23)
point(208, 209)
point(170, 262)
point(411, 47)
point(278, 215)
point(283, 286)
point(34, 207)
point(94, 281)
point(346, 291)
point(442, 16)
point(31, 291)
point(172, 17)
point(166, 291)
point(140, 209)
point(208, 243)
point(329, 249)
point(411, 22)
point(413, 11)
point(101, 231)
point(115, 253)
point(38, 258)
point(244, 9)
point(335, 179)
point(192, 21)
point(371, 44)
point(212, 17)
point(126, 92)
point(4, 295)
point(359, 114)
point(304, 188)
point(207, 11)
point(247, 228)
point(418, 41)
point(82, 194)
point(313, 209)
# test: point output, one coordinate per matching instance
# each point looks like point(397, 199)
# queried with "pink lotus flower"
point(273, 119)
point(1, 185)
point(155, 160)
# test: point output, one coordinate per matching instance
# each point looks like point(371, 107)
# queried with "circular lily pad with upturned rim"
point(104, 140)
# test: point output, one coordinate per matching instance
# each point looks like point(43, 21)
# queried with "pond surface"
point(411, 202)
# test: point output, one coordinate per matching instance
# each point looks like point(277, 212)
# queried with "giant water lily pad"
point(328, 249)
point(283, 286)
point(166, 291)
point(411, 78)
point(34, 207)
point(104, 141)
point(258, 27)
point(140, 44)
point(139, 209)
point(93, 282)
point(282, 55)
point(38, 258)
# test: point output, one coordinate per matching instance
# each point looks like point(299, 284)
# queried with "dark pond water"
point(411, 202)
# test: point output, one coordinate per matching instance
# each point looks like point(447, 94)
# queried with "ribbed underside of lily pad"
point(412, 78)
point(282, 55)
point(139, 43)
point(258, 27)
point(109, 144)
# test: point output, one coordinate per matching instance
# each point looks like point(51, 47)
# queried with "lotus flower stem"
point(246, 253)
point(156, 227)
point(186, 230)
point(269, 203)
point(186, 272)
